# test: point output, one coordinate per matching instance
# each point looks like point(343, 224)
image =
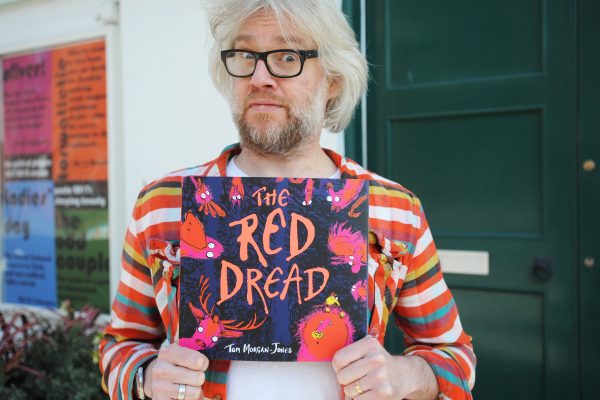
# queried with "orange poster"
point(79, 123)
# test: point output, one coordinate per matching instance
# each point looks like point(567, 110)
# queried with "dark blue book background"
point(327, 261)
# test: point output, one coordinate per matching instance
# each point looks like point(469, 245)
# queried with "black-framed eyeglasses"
point(282, 63)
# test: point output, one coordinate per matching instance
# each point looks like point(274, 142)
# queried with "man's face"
point(278, 115)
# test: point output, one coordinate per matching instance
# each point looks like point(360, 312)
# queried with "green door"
point(472, 105)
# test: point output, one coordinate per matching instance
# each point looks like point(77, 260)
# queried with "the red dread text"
point(232, 276)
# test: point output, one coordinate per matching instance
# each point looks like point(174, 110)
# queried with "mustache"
point(253, 97)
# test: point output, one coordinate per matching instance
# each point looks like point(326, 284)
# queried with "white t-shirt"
point(270, 380)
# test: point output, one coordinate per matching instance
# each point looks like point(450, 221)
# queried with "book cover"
point(273, 268)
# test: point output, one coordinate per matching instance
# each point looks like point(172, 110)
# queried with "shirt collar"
point(218, 167)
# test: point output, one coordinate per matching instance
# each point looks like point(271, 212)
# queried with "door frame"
point(589, 194)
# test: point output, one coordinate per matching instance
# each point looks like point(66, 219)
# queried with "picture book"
point(273, 268)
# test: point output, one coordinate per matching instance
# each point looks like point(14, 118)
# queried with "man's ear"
point(334, 88)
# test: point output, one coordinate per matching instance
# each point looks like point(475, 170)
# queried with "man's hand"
point(368, 371)
point(175, 365)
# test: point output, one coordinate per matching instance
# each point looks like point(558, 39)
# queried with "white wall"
point(173, 116)
point(164, 112)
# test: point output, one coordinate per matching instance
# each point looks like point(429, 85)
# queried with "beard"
point(266, 136)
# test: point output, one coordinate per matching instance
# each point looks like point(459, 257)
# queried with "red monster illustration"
point(308, 192)
point(210, 327)
point(236, 193)
point(323, 332)
point(194, 242)
point(359, 291)
point(205, 200)
point(349, 247)
point(346, 196)
point(308, 189)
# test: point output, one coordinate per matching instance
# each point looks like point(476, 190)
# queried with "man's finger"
point(171, 391)
point(360, 368)
point(356, 389)
point(178, 374)
point(353, 352)
point(184, 357)
point(191, 392)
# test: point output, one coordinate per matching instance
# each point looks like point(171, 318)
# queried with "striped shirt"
point(404, 279)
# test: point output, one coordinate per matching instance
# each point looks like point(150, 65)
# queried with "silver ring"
point(181, 392)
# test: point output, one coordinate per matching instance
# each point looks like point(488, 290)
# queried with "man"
point(288, 68)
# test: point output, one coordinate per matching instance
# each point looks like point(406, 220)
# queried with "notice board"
point(55, 176)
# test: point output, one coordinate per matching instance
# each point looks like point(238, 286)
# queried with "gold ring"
point(358, 388)
point(181, 392)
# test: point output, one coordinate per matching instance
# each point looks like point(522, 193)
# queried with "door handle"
point(542, 269)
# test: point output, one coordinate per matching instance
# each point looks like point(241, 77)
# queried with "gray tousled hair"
point(320, 20)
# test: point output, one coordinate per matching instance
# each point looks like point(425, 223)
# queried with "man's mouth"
point(259, 107)
point(264, 106)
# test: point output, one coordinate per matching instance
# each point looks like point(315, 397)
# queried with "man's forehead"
point(248, 38)
point(263, 25)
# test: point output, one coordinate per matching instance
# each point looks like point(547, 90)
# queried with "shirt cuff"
point(451, 382)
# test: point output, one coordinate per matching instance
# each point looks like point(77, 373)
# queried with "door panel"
point(452, 141)
point(472, 106)
point(462, 41)
point(518, 361)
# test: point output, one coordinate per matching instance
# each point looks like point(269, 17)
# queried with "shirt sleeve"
point(428, 316)
point(135, 332)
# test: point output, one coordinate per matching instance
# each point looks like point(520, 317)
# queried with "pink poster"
point(27, 104)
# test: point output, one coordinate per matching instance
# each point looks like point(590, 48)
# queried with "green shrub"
point(40, 360)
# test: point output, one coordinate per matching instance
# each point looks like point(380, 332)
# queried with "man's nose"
point(262, 77)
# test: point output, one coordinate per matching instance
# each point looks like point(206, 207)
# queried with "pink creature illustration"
point(346, 196)
point(194, 242)
point(236, 193)
point(210, 327)
point(205, 200)
point(359, 291)
point(349, 247)
point(323, 332)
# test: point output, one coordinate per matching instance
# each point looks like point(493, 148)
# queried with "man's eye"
point(288, 58)
point(247, 56)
